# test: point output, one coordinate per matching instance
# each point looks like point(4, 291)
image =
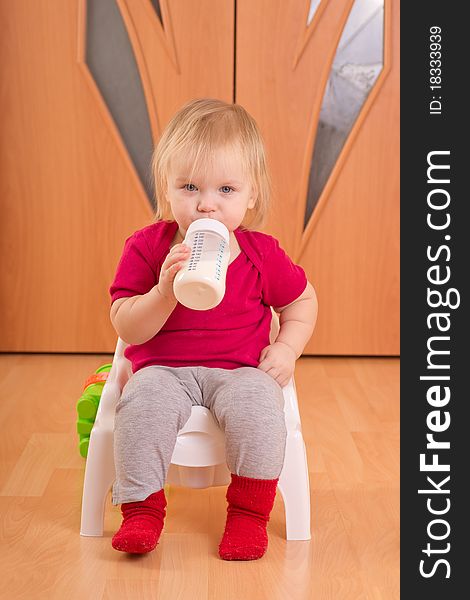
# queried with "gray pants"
point(156, 402)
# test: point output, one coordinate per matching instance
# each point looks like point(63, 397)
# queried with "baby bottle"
point(200, 284)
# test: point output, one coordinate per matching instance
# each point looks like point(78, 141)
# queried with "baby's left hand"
point(278, 360)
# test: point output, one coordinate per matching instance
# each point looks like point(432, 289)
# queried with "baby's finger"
point(180, 252)
point(168, 275)
point(268, 368)
point(180, 248)
point(174, 268)
point(273, 372)
point(175, 258)
point(262, 356)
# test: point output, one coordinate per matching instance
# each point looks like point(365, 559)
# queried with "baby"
point(209, 163)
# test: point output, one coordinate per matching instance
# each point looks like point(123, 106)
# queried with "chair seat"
point(201, 442)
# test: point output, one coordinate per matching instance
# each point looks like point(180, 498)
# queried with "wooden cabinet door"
point(349, 246)
point(70, 189)
point(88, 87)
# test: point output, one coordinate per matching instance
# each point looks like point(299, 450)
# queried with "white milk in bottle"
point(200, 284)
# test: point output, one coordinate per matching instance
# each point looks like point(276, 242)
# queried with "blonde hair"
point(198, 129)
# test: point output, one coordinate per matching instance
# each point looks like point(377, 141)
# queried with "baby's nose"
point(206, 203)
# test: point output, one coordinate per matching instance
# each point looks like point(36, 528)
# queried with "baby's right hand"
point(174, 261)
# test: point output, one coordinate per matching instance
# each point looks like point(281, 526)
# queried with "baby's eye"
point(226, 189)
point(188, 185)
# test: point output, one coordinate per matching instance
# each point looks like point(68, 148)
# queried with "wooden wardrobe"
point(81, 110)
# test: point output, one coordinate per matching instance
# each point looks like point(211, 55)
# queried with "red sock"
point(142, 524)
point(250, 502)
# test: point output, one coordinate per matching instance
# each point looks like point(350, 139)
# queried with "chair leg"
point(99, 477)
point(295, 489)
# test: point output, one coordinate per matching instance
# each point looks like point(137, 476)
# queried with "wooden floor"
point(350, 418)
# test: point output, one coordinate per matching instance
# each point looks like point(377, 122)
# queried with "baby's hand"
point(278, 360)
point(174, 261)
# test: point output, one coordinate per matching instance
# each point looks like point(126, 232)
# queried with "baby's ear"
point(166, 195)
point(253, 197)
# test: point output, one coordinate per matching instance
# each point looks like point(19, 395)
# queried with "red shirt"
point(228, 336)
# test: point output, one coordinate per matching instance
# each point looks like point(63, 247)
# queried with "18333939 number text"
point(435, 69)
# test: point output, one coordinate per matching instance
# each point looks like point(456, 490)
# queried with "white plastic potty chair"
point(198, 460)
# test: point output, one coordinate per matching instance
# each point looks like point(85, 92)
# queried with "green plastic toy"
point(87, 406)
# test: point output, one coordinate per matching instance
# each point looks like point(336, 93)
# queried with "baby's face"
point(223, 192)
